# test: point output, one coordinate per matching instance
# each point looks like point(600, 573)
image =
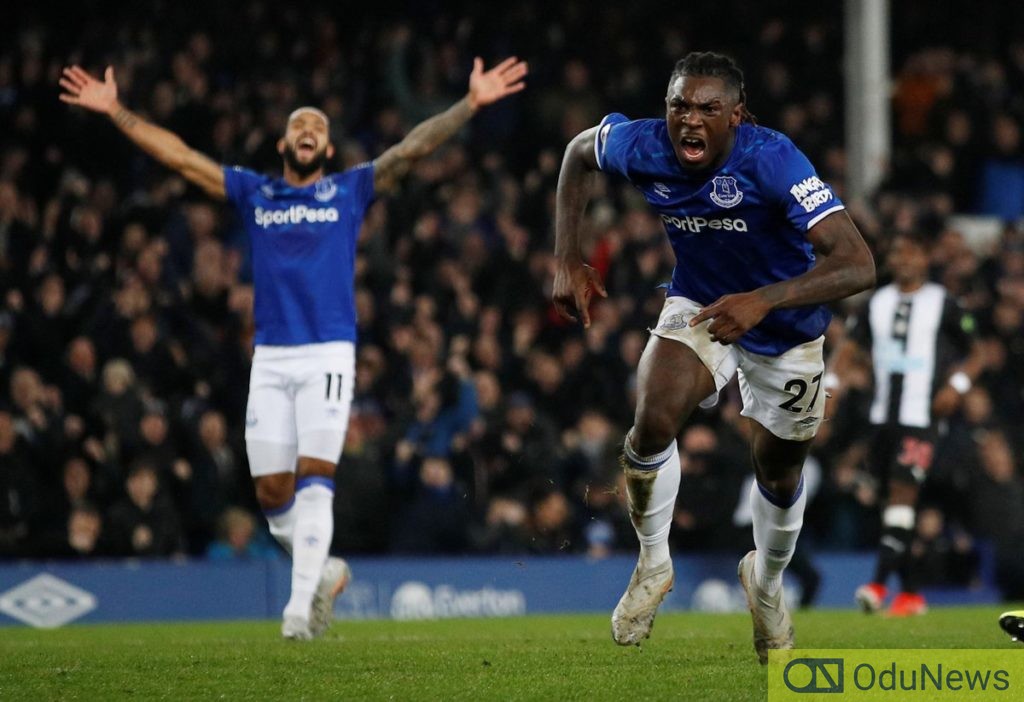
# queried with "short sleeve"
point(615, 141)
point(790, 180)
point(240, 183)
point(360, 180)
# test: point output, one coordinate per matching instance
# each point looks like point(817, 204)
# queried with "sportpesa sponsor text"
point(296, 214)
point(695, 225)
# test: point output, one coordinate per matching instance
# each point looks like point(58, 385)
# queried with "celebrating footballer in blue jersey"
point(303, 229)
point(761, 242)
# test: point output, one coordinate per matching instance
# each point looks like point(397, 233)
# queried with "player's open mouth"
point(693, 148)
point(307, 145)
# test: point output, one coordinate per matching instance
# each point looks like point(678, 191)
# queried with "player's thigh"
point(719, 361)
point(323, 402)
point(672, 380)
point(783, 393)
point(270, 437)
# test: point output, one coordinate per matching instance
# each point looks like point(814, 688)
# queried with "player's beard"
point(304, 169)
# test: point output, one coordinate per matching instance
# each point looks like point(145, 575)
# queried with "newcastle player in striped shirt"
point(916, 339)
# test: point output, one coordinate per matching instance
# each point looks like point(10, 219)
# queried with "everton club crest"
point(326, 190)
point(724, 192)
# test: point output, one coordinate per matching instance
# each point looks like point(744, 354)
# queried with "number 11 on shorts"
point(327, 392)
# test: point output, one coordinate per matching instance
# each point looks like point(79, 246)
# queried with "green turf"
point(690, 657)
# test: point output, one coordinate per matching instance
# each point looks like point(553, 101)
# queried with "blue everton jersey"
point(303, 243)
point(735, 229)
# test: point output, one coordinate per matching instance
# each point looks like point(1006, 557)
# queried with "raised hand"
point(165, 146)
point(574, 285)
point(486, 87)
point(85, 91)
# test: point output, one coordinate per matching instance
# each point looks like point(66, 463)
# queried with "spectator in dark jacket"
point(144, 522)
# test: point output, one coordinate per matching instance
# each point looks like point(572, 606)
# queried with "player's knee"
point(782, 483)
point(654, 430)
point(902, 493)
point(275, 491)
point(316, 466)
point(320, 450)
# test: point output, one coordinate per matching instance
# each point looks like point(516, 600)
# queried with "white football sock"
point(282, 524)
point(653, 484)
point(776, 529)
point(314, 528)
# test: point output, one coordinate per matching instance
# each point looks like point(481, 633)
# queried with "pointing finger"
point(705, 313)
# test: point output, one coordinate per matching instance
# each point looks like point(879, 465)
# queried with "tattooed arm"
point(484, 88)
point(166, 147)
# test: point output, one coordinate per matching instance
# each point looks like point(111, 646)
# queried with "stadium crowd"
point(481, 422)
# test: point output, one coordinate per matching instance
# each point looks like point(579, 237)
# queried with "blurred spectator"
point(44, 327)
point(551, 526)
point(521, 448)
point(435, 516)
point(1001, 188)
point(79, 381)
point(82, 536)
point(362, 501)
point(6, 357)
point(996, 501)
point(709, 490)
point(942, 556)
point(504, 527)
point(18, 489)
point(144, 522)
point(75, 489)
point(591, 453)
point(38, 419)
point(236, 531)
point(118, 407)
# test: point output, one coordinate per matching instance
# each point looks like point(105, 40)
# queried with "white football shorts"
point(782, 393)
point(299, 403)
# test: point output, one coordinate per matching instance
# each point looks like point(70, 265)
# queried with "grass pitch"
point(689, 657)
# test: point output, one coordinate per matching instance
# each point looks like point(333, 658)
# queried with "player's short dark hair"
point(710, 64)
